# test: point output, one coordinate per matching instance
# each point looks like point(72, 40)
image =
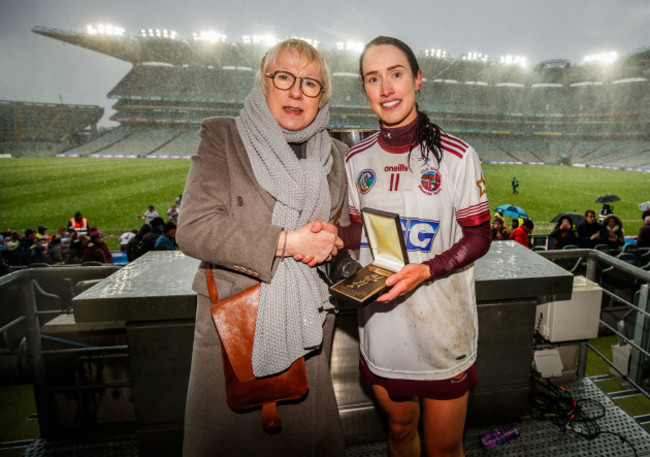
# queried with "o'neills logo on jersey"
point(430, 181)
point(366, 180)
point(400, 167)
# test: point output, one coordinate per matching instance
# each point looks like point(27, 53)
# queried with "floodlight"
point(268, 39)
point(210, 36)
point(513, 60)
point(605, 58)
point(437, 53)
point(104, 29)
point(350, 46)
point(474, 57)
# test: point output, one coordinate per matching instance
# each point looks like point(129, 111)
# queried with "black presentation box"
point(388, 249)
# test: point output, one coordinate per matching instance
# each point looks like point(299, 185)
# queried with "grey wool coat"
point(225, 220)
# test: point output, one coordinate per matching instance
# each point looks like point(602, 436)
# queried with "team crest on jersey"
point(366, 180)
point(430, 181)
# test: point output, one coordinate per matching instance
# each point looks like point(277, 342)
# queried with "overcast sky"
point(37, 68)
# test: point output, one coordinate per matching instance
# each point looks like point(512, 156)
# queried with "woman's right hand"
point(312, 243)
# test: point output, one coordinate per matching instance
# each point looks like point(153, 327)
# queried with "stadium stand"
point(103, 141)
point(140, 142)
point(553, 112)
point(45, 128)
point(182, 145)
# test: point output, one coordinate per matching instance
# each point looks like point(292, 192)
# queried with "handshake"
point(315, 243)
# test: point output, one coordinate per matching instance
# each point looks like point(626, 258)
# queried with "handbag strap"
point(212, 286)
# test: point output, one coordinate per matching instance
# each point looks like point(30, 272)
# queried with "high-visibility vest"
point(80, 227)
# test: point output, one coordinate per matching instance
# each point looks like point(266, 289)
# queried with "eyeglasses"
point(284, 80)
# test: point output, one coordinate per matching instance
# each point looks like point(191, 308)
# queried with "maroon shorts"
point(444, 389)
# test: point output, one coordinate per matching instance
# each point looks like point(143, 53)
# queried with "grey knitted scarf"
point(293, 305)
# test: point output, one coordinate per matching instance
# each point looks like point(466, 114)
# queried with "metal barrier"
point(594, 265)
point(25, 294)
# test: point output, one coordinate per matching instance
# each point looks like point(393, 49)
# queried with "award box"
point(386, 243)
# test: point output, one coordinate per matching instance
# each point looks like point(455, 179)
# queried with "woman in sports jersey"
point(418, 341)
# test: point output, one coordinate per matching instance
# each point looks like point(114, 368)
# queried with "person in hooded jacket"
point(564, 234)
point(96, 249)
point(614, 228)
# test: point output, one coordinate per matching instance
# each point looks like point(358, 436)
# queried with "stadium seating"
point(554, 112)
point(45, 128)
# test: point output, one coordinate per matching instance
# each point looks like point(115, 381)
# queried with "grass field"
point(112, 192)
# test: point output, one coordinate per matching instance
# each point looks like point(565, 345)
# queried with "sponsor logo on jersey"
point(418, 234)
point(430, 181)
point(397, 168)
point(366, 180)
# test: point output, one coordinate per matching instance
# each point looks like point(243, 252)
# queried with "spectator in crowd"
point(645, 214)
point(76, 249)
point(96, 250)
point(126, 237)
point(149, 215)
point(643, 237)
point(66, 238)
point(157, 227)
point(4, 264)
point(54, 250)
point(614, 231)
point(79, 224)
point(178, 201)
point(148, 241)
point(133, 246)
point(40, 255)
point(41, 233)
point(166, 241)
point(172, 214)
point(564, 234)
point(515, 184)
point(605, 211)
point(522, 232)
point(514, 223)
point(26, 247)
point(590, 232)
point(13, 249)
point(499, 231)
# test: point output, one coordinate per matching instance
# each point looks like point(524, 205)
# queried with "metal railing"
point(27, 283)
point(593, 263)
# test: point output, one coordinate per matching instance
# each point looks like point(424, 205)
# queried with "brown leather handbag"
point(235, 319)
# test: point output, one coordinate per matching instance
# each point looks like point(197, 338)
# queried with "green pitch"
point(112, 192)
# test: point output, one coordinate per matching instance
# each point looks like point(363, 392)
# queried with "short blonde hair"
point(307, 54)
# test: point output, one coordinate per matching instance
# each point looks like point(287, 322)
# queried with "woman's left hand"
point(405, 280)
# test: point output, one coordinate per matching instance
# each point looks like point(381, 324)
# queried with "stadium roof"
point(129, 48)
point(223, 54)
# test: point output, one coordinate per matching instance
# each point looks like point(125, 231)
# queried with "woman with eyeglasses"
point(257, 185)
point(418, 341)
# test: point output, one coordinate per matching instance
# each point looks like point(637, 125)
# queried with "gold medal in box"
point(386, 242)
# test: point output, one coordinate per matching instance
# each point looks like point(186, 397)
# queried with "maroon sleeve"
point(351, 234)
point(473, 245)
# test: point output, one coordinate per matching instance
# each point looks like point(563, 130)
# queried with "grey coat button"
point(240, 201)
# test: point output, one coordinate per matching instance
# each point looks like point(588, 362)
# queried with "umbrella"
point(644, 206)
point(606, 198)
point(512, 210)
point(576, 218)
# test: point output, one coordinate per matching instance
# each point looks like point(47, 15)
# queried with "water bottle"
point(498, 436)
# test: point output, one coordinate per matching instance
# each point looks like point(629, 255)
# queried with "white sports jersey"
point(431, 333)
